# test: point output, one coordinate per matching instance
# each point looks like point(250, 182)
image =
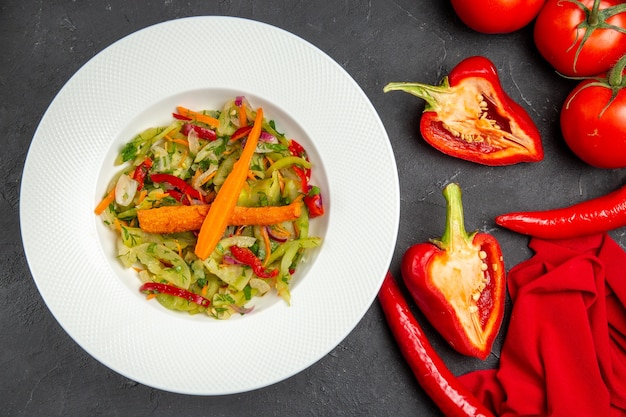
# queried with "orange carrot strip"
point(208, 177)
point(222, 208)
point(108, 199)
point(174, 219)
point(173, 140)
point(203, 118)
point(142, 196)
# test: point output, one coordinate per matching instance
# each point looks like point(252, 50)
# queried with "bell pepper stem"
point(455, 236)
point(428, 93)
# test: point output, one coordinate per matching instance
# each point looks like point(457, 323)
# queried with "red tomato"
point(561, 27)
point(497, 16)
point(593, 123)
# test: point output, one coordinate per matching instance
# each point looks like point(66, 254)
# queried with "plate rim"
point(26, 213)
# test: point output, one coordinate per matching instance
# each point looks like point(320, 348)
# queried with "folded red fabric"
point(564, 354)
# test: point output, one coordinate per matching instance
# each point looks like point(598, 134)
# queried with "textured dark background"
point(42, 43)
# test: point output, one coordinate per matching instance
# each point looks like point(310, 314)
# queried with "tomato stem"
point(595, 19)
point(616, 75)
point(592, 15)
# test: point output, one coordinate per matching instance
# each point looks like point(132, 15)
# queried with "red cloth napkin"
point(564, 354)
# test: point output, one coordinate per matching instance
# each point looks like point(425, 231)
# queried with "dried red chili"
point(470, 116)
point(431, 372)
point(159, 288)
point(247, 257)
point(458, 281)
point(596, 215)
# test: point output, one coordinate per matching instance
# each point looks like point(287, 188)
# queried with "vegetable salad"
point(171, 177)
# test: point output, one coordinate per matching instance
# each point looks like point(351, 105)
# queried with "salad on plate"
point(213, 209)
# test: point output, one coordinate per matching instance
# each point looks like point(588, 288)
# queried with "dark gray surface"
point(44, 372)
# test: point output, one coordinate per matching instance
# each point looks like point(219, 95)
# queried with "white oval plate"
point(136, 83)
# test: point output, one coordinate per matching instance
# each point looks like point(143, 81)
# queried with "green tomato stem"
point(592, 15)
point(616, 77)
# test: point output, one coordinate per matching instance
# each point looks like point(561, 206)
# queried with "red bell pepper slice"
point(202, 132)
point(159, 288)
point(178, 183)
point(178, 196)
point(304, 179)
point(141, 171)
point(247, 257)
point(297, 150)
point(313, 202)
point(180, 116)
point(459, 282)
point(242, 132)
point(469, 116)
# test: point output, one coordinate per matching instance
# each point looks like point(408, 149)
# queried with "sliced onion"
point(242, 309)
point(125, 190)
point(231, 260)
point(275, 236)
point(259, 284)
point(194, 143)
point(268, 137)
point(201, 179)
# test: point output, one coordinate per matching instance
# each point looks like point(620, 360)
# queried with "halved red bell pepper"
point(459, 282)
point(470, 116)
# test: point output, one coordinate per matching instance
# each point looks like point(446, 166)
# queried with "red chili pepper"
point(177, 183)
point(155, 287)
point(313, 202)
point(202, 132)
point(597, 215)
point(141, 171)
point(458, 281)
point(246, 256)
point(429, 369)
point(469, 116)
point(242, 132)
